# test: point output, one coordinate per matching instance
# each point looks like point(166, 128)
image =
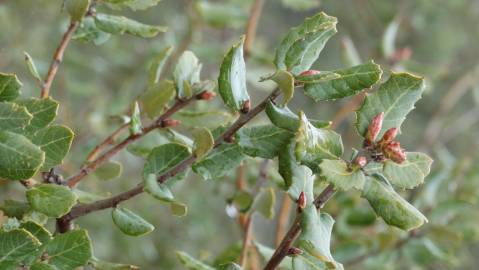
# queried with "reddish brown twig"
point(283, 219)
point(106, 142)
point(252, 25)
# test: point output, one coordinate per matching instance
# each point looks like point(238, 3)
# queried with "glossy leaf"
point(341, 176)
point(395, 97)
point(191, 263)
point(204, 141)
point(89, 32)
point(9, 86)
point(389, 205)
point(164, 157)
point(109, 170)
point(32, 67)
point(15, 246)
point(264, 203)
point(303, 44)
point(186, 73)
point(13, 117)
point(69, 250)
point(314, 145)
point(43, 111)
point(121, 25)
point(55, 141)
point(410, 173)
point(178, 209)
point(19, 158)
point(130, 223)
point(219, 162)
point(156, 97)
point(285, 82)
point(157, 64)
point(51, 199)
point(232, 78)
point(284, 118)
point(135, 122)
point(350, 82)
point(158, 191)
point(263, 141)
point(76, 8)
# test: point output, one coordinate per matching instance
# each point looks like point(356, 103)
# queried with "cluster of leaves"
point(307, 150)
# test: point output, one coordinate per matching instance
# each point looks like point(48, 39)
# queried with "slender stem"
point(58, 58)
point(106, 142)
point(252, 25)
point(283, 219)
point(248, 235)
point(295, 230)
point(84, 209)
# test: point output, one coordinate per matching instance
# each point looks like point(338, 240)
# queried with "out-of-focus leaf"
point(42, 266)
point(219, 162)
point(303, 44)
point(178, 209)
point(43, 111)
point(109, 170)
point(340, 175)
point(322, 76)
point(360, 216)
point(351, 81)
point(314, 145)
point(301, 5)
point(89, 32)
point(15, 246)
point(229, 266)
point(395, 97)
point(135, 122)
point(389, 205)
point(19, 158)
point(130, 223)
point(101, 265)
point(156, 190)
point(221, 15)
point(17, 209)
point(349, 52)
point(69, 250)
point(77, 8)
point(51, 200)
point(89, 197)
point(410, 173)
point(265, 202)
point(156, 97)
point(119, 25)
point(13, 117)
point(132, 4)
point(9, 86)
point(263, 141)
point(285, 82)
point(186, 73)
point(232, 78)
point(208, 119)
point(204, 141)
point(242, 200)
point(267, 252)
point(284, 118)
point(424, 252)
point(191, 263)
point(389, 38)
point(157, 64)
point(31, 67)
point(55, 141)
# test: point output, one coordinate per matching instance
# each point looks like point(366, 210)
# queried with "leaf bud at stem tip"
point(169, 123)
point(375, 127)
point(361, 161)
point(294, 251)
point(206, 95)
point(301, 201)
point(246, 107)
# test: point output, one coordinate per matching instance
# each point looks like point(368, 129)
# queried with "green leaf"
point(229, 266)
point(132, 4)
point(264, 203)
point(89, 32)
point(221, 15)
point(204, 141)
point(186, 73)
point(350, 82)
point(38, 231)
point(341, 176)
point(389, 38)
point(43, 111)
point(89, 197)
point(164, 157)
point(243, 201)
point(395, 97)
point(178, 209)
point(285, 81)
point(13, 208)
point(191, 263)
point(284, 118)
point(55, 141)
point(15, 246)
point(121, 25)
point(13, 117)
point(156, 97)
point(158, 191)
point(42, 266)
point(232, 78)
point(389, 205)
point(19, 158)
point(157, 64)
point(51, 200)
point(410, 173)
point(9, 86)
point(323, 76)
point(101, 265)
point(135, 122)
point(31, 67)
point(349, 52)
point(314, 145)
point(301, 5)
point(315, 241)
point(130, 223)
point(109, 170)
point(219, 162)
point(263, 141)
point(69, 250)
point(77, 8)
point(303, 44)
point(203, 118)
point(267, 252)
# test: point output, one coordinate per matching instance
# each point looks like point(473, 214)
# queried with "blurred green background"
point(97, 83)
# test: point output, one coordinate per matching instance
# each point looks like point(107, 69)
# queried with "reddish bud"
point(309, 72)
point(206, 95)
point(375, 127)
point(246, 106)
point(169, 123)
point(301, 200)
point(389, 136)
point(294, 251)
point(361, 161)
point(394, 152)
point(401, 54)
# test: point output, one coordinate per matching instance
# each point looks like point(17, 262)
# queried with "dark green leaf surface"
point(121, 25)
point(15, 246)
point(55, 141)
point(43, 111)
point(130, 223)
point(164, 157)
point(13, 117)
point(51, 199)
point(9, 86)
point(263, 141)
point(69, 250)
point(220, 161)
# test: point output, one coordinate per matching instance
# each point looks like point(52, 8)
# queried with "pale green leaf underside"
point(69, 250)
point(219, 162)
point(284, 118)
point(395, 97)
point(13, 117)
point(263, 141)
point(232, 78)
point(285, 81)
point(157, 64)
point(121, 25)
point(19, 158)
point(410, 173)
point(350, 82)
point(264, 203)
point(55, 141)
point(204, 141)
point(156, 97)
point(192, 263)
point(186, 73)
point(337, 173)
point(51, 200)
point(9, 86)
point(156, 190)
point(109, 170)
point(130, 223)
point(132, 4)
